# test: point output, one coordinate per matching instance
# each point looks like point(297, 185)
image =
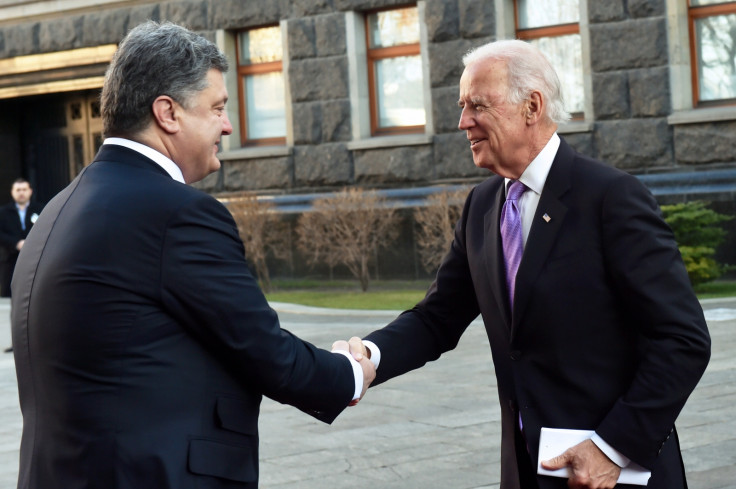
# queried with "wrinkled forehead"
point(484, 78)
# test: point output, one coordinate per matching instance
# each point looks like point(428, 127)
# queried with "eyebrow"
point(476, 100)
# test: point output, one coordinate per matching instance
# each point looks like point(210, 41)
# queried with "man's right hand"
point(363, 358)
point(591, 469)
point(358, 349)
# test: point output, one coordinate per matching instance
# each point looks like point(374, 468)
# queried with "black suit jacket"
point(11, 232)
point(142, 342)
point(606, 333)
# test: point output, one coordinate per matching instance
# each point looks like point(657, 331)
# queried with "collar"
point(152, 154)
point(536, 173)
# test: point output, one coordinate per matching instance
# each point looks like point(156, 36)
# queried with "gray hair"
point(528, 70)
point(152, 60)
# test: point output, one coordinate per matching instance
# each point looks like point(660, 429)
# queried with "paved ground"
point(436, 428)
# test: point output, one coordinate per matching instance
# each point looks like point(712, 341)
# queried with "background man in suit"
point(16, 220)
point(143, 342)
point(601, 330)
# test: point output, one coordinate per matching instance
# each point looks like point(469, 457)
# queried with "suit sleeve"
point(208, 288)
point(436, 323)
point(646, 268)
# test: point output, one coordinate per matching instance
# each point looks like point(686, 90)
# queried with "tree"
point(348, 228)
point(262, 231)
point(698, 233)
point(436, 221)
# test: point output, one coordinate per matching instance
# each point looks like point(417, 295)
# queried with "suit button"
point(515, 355)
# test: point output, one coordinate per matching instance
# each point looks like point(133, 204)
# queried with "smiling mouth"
point(473, 142)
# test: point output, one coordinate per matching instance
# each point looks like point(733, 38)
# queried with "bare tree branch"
point(348, 228)
point(262, 231)
point(436, 226)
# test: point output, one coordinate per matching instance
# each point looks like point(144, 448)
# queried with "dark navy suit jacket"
point(11, 232)
point(143, 343)
point(606, 333)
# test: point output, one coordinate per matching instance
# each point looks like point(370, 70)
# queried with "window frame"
point(374, 55)
point(256, 69)
point(695, 12)
point(557, 30)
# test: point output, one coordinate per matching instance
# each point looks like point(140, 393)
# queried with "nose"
point(466, 120)
point(227, 127)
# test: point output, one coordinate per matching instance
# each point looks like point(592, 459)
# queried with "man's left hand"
point(591, 469)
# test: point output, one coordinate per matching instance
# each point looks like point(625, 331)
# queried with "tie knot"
point(515, 190)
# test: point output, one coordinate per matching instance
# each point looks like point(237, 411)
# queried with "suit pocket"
point(237, 415)
point(232, 462)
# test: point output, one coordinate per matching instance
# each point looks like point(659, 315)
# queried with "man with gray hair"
point(592, 322)
point(143, 343)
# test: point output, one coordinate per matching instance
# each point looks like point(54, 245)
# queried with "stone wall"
point(629, 71)
point(631, 97)
point(630, 87)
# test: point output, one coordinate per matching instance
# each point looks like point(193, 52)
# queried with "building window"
point(396, 87)
point(713, 51)
point(261, 87)
point(553, 26)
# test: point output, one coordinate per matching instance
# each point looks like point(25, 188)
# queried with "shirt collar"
point(536, 173)
point(161, 160)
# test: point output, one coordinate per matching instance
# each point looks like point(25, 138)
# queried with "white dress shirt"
point(534, 177)
point(147, 151)
point(22, 215)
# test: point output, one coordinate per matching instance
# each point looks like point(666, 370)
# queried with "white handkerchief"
point(554, 441)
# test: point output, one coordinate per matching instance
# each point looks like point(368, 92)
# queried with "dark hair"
point(153, 60)
point(21, 180)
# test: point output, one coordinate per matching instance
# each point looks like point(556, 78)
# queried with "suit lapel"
point(543, 232)
point(494, 255)
point(17, 226)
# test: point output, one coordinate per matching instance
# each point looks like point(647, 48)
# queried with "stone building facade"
point(638, 110)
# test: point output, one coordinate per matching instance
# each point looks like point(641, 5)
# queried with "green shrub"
point(698, 233)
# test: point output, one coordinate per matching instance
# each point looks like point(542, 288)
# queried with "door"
point(60, 135)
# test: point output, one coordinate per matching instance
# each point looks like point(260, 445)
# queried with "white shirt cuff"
point(357, 371)
point(615, 456)
point(375, 352)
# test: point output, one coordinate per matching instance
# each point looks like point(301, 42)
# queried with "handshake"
point(362, 355)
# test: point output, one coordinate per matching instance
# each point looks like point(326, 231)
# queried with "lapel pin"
point(546, 217)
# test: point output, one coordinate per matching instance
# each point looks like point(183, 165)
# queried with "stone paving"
point(436, 428)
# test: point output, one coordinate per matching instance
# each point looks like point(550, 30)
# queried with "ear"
point(534, 107)
point(165, 112)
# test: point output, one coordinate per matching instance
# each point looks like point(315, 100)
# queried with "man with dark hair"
point(16, 220)
point(143, 342)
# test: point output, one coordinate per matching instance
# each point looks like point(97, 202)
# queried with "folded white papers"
point(554, 442)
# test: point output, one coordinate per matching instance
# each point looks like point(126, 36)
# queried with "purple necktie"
point(513, 243)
